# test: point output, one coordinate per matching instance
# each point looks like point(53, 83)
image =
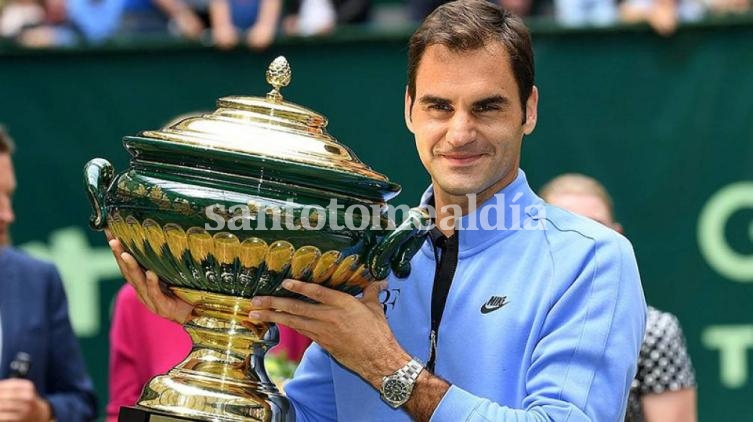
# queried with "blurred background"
point(652, 97)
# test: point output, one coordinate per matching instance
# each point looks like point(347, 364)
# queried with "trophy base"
point(137, 414)
point(223, 379)
point(200, 396)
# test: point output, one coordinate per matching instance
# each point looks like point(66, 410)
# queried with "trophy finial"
point(278, 75)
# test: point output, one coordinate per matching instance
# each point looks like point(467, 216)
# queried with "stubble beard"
point(4, 237)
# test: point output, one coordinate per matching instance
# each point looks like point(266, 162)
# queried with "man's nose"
point(462, 129)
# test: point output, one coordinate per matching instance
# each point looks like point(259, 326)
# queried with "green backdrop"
point(665, 123)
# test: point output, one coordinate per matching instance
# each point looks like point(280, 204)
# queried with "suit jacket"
point(34, 314)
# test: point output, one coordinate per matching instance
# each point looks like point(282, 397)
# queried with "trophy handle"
point(397, 248)
point(98, 174)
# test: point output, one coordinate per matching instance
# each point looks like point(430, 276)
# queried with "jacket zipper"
point(432, 349)
point(446, 254)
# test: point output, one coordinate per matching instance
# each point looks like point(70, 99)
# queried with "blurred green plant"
point(279, 368)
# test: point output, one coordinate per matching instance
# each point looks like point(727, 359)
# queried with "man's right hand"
point(147, 286)
point(19, 402)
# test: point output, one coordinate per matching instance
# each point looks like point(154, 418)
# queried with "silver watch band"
point(411, 370)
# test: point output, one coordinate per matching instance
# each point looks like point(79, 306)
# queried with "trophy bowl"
point(223, 207)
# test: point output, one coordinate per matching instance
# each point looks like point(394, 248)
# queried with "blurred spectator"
point(42, 372)
point(95, 20)
point(586, 12)
point(310, 17)
point(37, 24)
point(420, 9)
point(728, 6)
point(664, 388)
point(352, 11)
point(315, 17)
point(662, 15)
point(156, 16)
point(292, 344)
point(60, 22)
point(19, 14)
point(521, 8)
point(142, 345)
point(255, 20)
point(528, 8)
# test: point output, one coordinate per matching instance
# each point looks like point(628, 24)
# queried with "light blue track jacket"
point(563, 347)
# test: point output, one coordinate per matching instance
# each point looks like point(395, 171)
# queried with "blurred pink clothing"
point(143, 345)
point(292, 343)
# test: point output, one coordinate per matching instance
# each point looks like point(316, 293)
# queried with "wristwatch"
point(397, 388)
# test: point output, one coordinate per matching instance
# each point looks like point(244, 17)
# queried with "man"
point(538, 315)
point(664, 387)
point(34, 328)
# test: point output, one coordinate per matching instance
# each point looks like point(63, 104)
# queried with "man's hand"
point(147, 286)
point(353, 330)
point(19, 402)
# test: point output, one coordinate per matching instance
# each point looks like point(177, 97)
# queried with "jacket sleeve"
point(585, 359)
point(69, 389)
point(311, 391)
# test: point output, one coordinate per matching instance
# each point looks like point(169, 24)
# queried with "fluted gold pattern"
point(154, 235)
point(279, 255)
point(176, 238)
point(303, 261)
point(344, 270)
point(325, 267)
point(200, 243)
point(226, 247)
point(252, 252)
point(170, 243)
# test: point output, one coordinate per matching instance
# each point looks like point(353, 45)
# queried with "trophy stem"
point(224, 374)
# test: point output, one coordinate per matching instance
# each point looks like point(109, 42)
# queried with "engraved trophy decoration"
point(224, 207)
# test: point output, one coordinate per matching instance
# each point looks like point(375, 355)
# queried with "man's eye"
point(440, 107)
point(486, 108)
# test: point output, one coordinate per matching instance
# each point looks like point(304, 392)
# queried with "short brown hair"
point(578, 184)
point(466, 25)
point(6, 142)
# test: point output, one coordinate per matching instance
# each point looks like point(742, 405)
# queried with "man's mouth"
point(461, 159)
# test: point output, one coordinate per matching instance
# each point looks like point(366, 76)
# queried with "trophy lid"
point(273, 136)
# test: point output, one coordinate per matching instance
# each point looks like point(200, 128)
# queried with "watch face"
point(395, 390)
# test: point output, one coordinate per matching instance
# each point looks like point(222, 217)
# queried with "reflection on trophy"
point(224, 207)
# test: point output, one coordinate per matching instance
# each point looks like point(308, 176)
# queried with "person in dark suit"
point(42, 373)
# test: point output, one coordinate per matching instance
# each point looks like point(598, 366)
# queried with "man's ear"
point(532, 105)
point(408, 110)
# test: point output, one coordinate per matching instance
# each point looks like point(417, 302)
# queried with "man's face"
point(587, 205)
point(468, 121)
point(7, 188)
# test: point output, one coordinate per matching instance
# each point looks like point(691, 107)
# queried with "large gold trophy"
point(224, 207)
